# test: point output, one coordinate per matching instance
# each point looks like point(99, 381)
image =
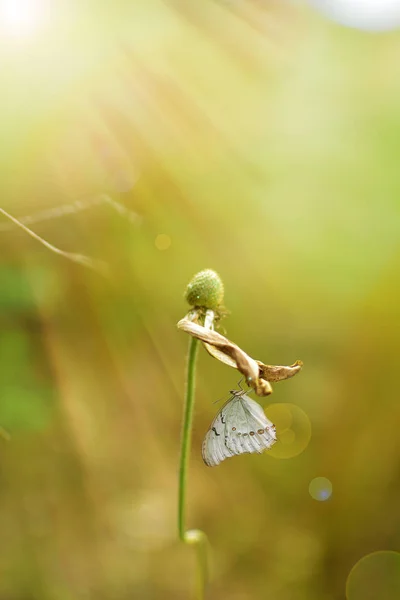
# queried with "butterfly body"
point(240, 427)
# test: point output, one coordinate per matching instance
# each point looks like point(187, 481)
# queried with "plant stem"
point(195, 536)
point(96, 265)
point(186, 435)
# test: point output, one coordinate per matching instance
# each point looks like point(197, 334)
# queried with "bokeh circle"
point(162, 241)
point(375, 577)
point(320, 488)
point(293, 429)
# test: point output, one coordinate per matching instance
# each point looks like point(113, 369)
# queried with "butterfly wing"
point(241, 426)
point(214, 449)
point(247, 428)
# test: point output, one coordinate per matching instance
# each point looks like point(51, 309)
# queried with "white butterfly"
point(240, 426)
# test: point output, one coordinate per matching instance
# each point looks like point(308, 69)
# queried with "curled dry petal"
point(278, 373)
point(256, 373)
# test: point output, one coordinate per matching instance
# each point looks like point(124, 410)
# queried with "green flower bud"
point(206, 290)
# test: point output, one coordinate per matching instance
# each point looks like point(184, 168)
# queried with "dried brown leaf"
point(256, 373)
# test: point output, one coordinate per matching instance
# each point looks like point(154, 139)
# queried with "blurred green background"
point(254, 138)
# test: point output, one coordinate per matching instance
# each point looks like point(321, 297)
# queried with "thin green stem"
point(194, 536)
point(186, 434)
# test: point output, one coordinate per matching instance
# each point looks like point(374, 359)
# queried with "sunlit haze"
point(373, 15)
point(21, 18)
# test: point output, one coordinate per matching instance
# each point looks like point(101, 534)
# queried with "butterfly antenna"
point(222, 398)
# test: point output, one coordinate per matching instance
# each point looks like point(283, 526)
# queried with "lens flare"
point(376, 575)
point(293, 430)
point(21, 18)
